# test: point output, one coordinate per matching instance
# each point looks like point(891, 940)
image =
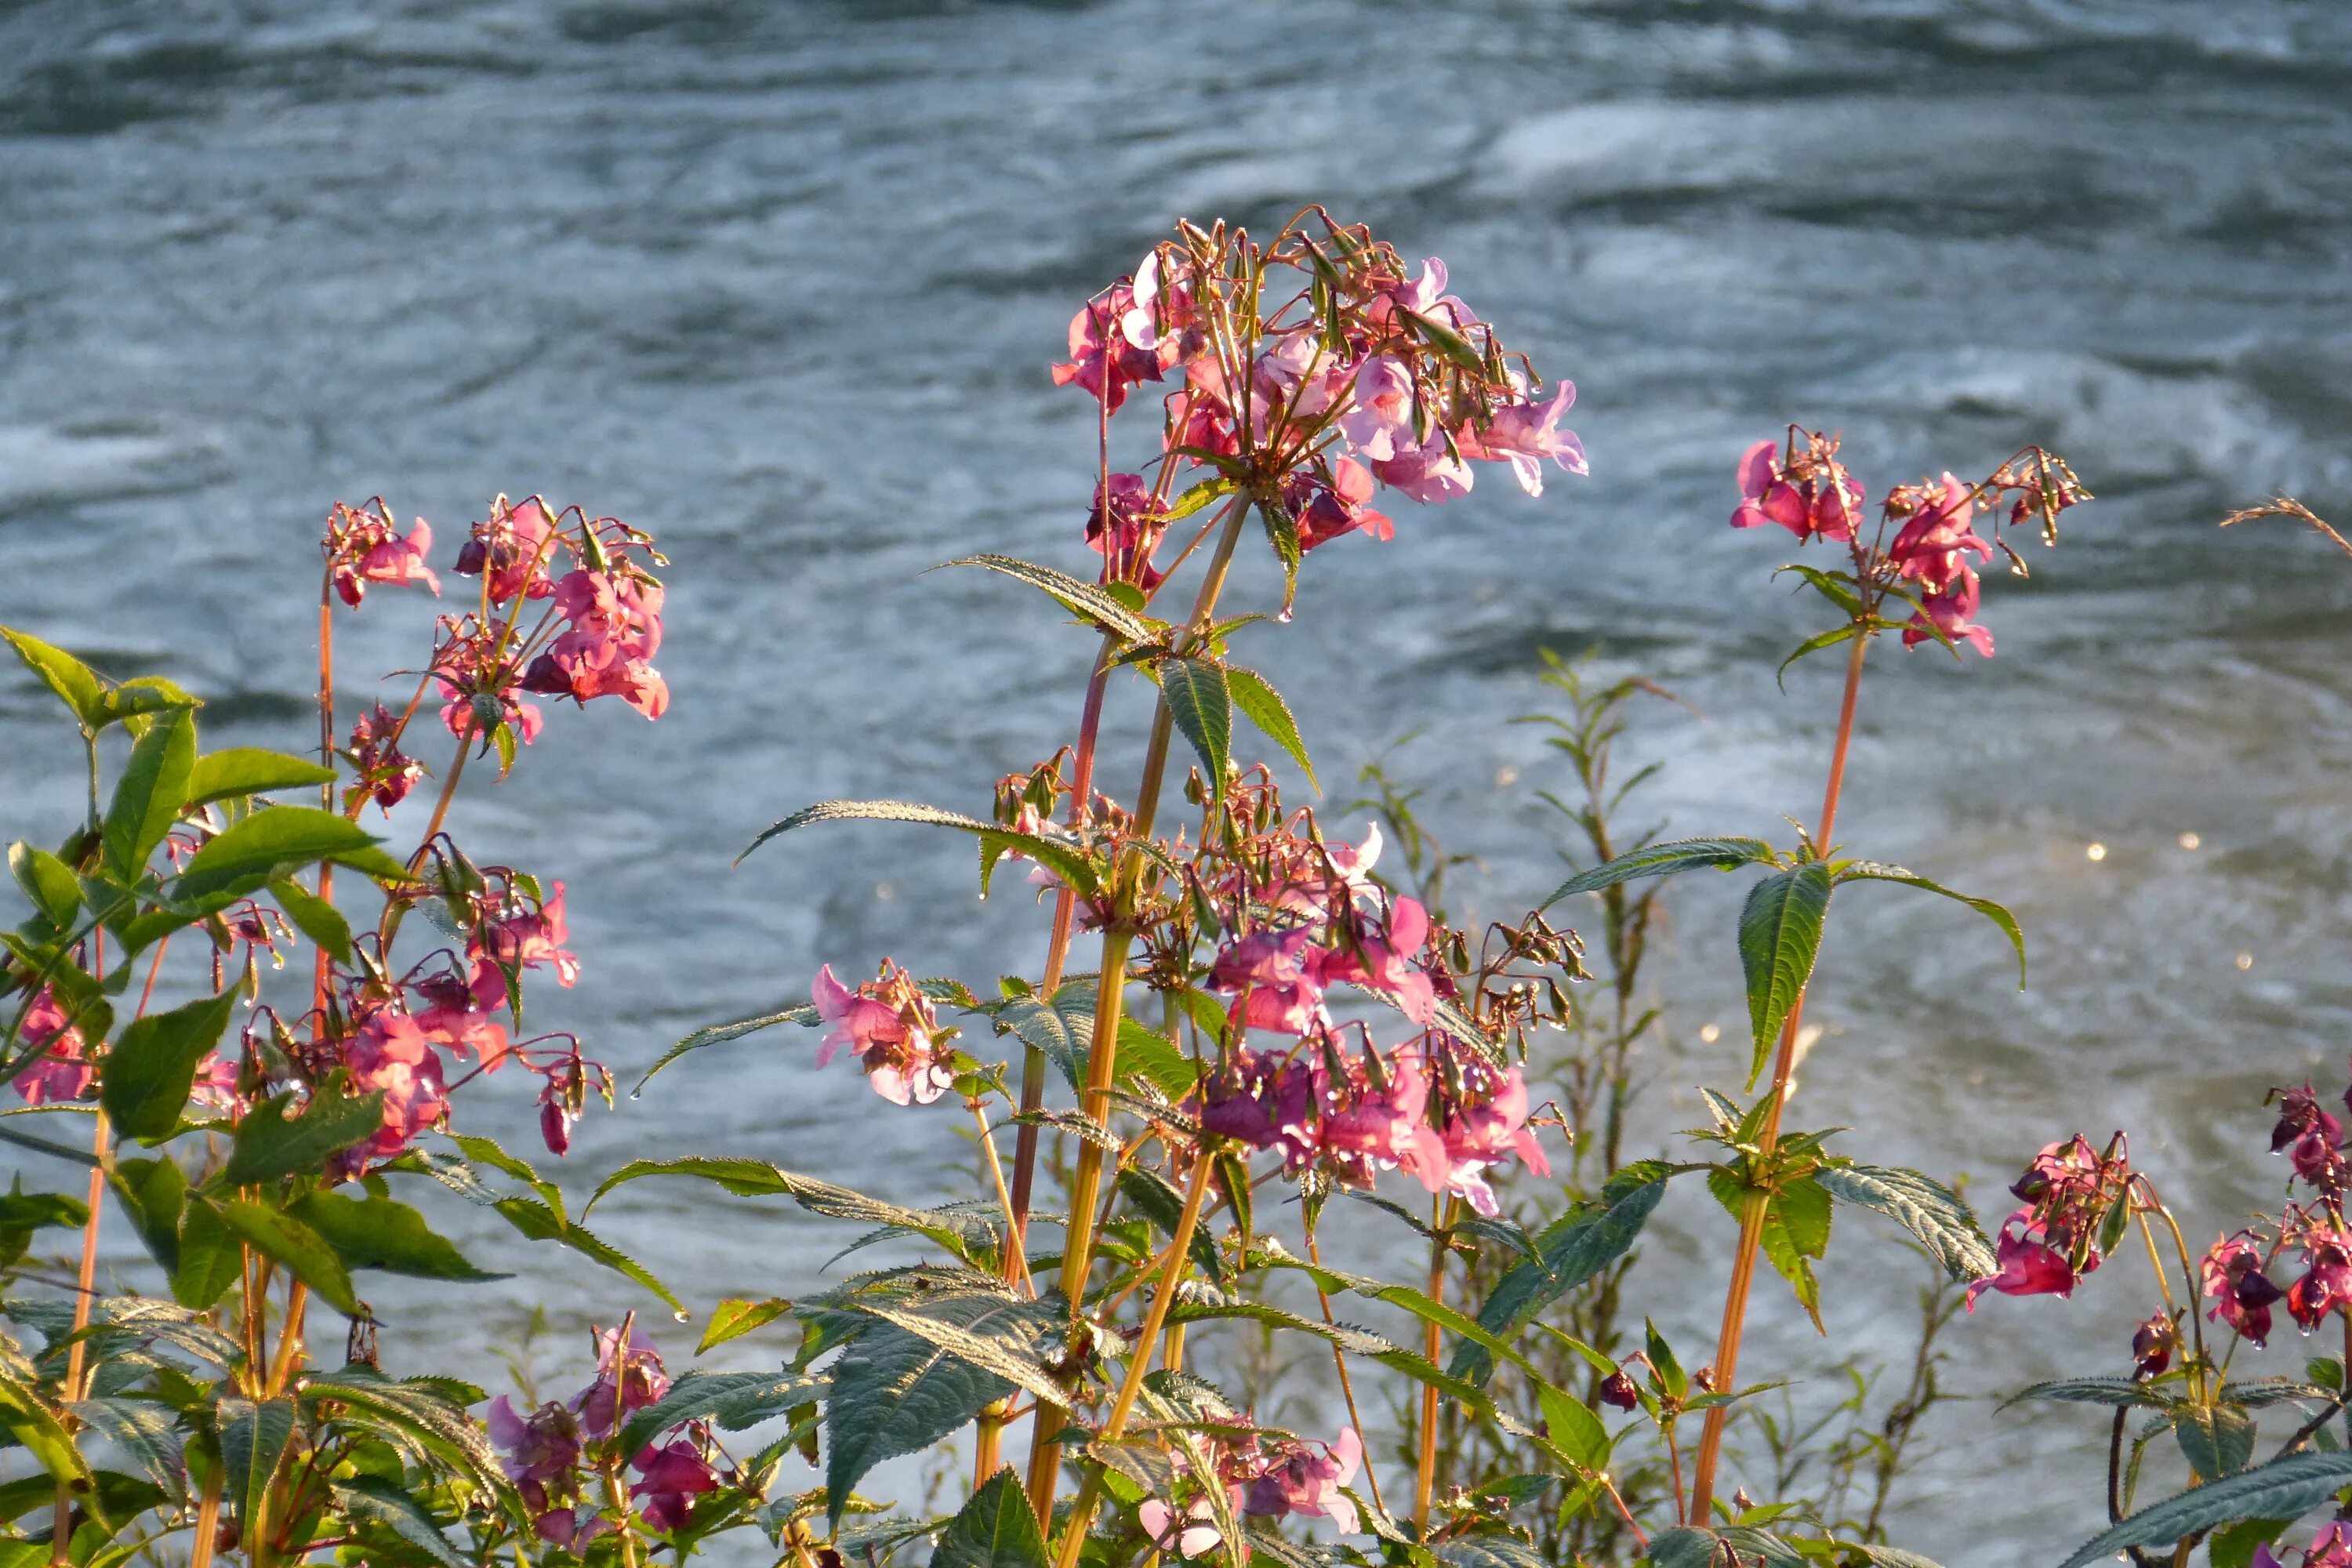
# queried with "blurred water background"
point(781, 283)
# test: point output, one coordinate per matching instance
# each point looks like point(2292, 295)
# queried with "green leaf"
point(268, 1144)
point(315, 917)
point(131, 702)
point(149, 794)
point(419, 1408)
point(1087, 601)
point(303, 1251)
point(1262, 706)
point(152, 1192)
point(996, 1529)
point(735, 1400)
point(153, 1064)
point(720, 1033)
point(541, 1221)
point(1870, 870)
point(371, 1499)
point(1569, 1251)
point(895, 1392)
point(209, 1256)
point(2232, 1545)
point(966, 1235)
point(1403, 1296)
point(1665, 860)
point(1837, 587)
point(1064, 1029)
point(143, 1429)
point(270, 844)
point(253, 1440)
point(2218, 1439)
point(26, 1414)
point(1067, 862)
point(1779, 934)
point(1932, 1212)
point(249, 769)
point(76, 684)
point(1495, 1551)
point(732, 1318)
point(2285, 1487)
point(1685, 1546)
point(2121, 1391)
point(1572, 1426)
point(1815, 643)
point(1282, 533)
point(1201, 703)
point(49, 881)
point(1208, 1305)
point(378, 1233)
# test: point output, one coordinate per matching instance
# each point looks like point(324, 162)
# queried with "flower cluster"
point(1804, 487)
point(383, 772)
point(2072, 1195)
point(1363, 374)
point(1267, 1474)
point(550, 1454)
point(364, 545)
point(62, 1071)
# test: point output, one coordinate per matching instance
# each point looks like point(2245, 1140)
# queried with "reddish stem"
point(1751, 1216)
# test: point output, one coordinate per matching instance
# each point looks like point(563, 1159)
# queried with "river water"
point(781, 283)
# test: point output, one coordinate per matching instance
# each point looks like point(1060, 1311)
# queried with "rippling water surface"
point(781, 283)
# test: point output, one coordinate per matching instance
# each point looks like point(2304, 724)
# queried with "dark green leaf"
point(270, 844)
point(1779, 934)
point(1282, 533)
point(963, 1234)
point(541, 1221)
point(1495, 1551)
point(303, 1251)
point(2217, 1438)
point(997, 1529)
point(149, 792)
point(735, 1400)
point(1665, 860)
point(2121, 1391)
point(26, 1414)
point(268, 1144)
point(1929, 1210)
point(1201, 703)
point(1870, 870)
point(2232, 1545)
point(378, 1233)
point(1262, 706)
point(143, 1429)
point(995, 841)
point(1571, 1251)
point(248, 770)
point(253, 1440)
point(1685, 1546)
point(370, 1499)
point(152, 1065)
point(2285, 1487)
point(417, 1408)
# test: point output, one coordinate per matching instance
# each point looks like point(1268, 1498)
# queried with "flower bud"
point(1617, 1391)
point(2153, 1344)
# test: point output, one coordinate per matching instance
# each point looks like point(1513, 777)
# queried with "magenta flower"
point(363, 547)
point(2028, 1266)
point(387, 774)
point(1374, 1118)
point(1951, 610)
point(1104, 363)
point(524, 938)
point(1263, 1098)
point(391, 1053)
point(671, 1477)
point(626, 1382)
point(892, 1029)
point(1383, 960)
point(2326, 1282)
point(1485, 1134)
point(607, 651)
point(1813, 497)
point(1325, 512)
point(1525, 433)
point(1933, 546)
point(2311, 1136)
point(2154, 1343)
point(2232, 1274)
point(1427, 473)
point(1275, 973)
point(214, 1088)
point(1617, 1391)
point(1308, 1482)
point(1126, 532)
point(62, 1071)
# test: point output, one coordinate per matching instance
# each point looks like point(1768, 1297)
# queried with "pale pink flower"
point(1524, 433)
point(1309, 1483)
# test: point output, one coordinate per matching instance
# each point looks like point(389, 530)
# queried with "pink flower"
point(1426, 473)
point(1108, 364)
point(2311, 1136)
point(1524, 433)
point(2326, 1282)
point(1126, 532)
point(62, 1071)
point(1308, 1482)
point(216, 1084)
point(2028, 1264)
point(1195, 1534)
point(387, 774)
point(1933, 546)
point(1488, 1132)
point(1950, 611)
point(363, 548)
point(515, 547)
point(1263, 1098)
point(1379, 422)
point(1326, 511)
point(1812, 497)
point(1373, 1119)
point(891, 1027)
point(544, 1447)
point(525, 938)
point(616, 626)
point(2233, 1272)
point(626, 1382)
point(392, 1053)
point(1382, 960)
point(673, 1476)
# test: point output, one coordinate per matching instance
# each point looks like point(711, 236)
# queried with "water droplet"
point(1710, 1033)
point(683, 1316)
point(2189, 841)
point(2245, 960)
point(1283, 616)
point(2096, 851)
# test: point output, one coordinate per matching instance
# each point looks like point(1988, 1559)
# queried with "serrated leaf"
point(1201, 704)
point(2218, 1440)
point(29, 1417)
point(2285, 1487)
point(541, 1221)
point(996, 1529)
point(254, 1438)
point(270, 844)
point(1262, 706)
point(1282, 533)
point(208, 1253)
point(144, 1430)
point(416, 1410)
point(374, 1501)
point(1088, 601)
point(1943, 1223)
point(153, 1064)
point(732, 1318)
point(1570, 1425)
point(1488, 1551)
point(1665, 860)
point(303, 1251)
point(76, 684)
point(316, 919)
point(379, 1233)
point(1815, 643)
point(964, 1234)
point(2114, 1391)
point(1872, 870)
point(1780, 935)
point(1569, 1251)
point(249, 769)
point(995, 841)
point(1685, 1546)
point(735, 1400)
point(271, 1145)
point(720, 1033)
